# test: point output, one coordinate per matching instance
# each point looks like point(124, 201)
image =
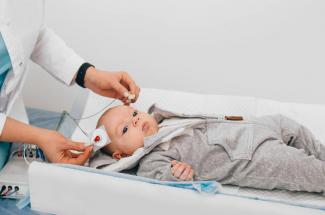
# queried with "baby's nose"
point(135, 121)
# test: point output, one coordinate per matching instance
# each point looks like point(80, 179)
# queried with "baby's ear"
point(117, 155)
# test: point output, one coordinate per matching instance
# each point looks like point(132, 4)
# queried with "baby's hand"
point(182, 171)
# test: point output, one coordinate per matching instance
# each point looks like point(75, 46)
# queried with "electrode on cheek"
point(99, 138)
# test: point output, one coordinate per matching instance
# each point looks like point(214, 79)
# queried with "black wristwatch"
point(80, 78)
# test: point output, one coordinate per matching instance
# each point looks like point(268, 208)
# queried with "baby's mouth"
point(145, 127)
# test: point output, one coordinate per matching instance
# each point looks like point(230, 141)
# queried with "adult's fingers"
point(125, 101)
point(71, 154)
point(137, 93)
point(119, 88)
point(82, 158)
point(128, 81)
point(75, 146)
point(139, 90)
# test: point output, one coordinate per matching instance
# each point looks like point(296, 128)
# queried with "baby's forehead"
point(121, 109)
point(117, 112)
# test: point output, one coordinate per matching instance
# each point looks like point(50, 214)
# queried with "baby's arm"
point(162, 166)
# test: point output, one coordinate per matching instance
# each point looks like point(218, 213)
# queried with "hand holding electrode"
point(112, 84)
point(118, 85)
point(182, 171)
point(57, 148)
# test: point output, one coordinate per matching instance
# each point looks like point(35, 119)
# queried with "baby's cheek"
point(139, 143)
point(134, 144)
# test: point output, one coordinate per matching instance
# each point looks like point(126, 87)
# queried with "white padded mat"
point(303, 199)
point(312, 116)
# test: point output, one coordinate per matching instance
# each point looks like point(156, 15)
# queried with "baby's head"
point(126, 127)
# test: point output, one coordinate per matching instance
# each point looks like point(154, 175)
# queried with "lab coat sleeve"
point(3, 118)
point(52, 54)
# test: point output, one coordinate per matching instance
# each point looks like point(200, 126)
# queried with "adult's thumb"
point(76, 146)
point(82, 158)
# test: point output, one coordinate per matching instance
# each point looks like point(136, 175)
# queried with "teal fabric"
point(4, 153)
point(210, 187)
point(5, 67)
point(5, 62)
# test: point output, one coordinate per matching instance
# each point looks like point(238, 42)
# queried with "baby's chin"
point(130, 154)
point(149, 128)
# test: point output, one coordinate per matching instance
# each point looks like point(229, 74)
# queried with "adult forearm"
point(54, 145)
point(16, 131)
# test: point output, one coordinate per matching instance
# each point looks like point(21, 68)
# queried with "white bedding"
point(312, 116)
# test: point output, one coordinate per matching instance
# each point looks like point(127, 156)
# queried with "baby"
point(261, 152)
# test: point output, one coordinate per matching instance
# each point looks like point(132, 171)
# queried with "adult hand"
point(111, 84)
point(57, 148)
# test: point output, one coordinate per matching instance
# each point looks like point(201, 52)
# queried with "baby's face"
point(127, 128)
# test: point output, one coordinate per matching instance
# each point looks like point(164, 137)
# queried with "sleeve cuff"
point(72, 66)
point(51, 53)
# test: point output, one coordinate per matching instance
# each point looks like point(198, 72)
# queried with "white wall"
point(266, 48)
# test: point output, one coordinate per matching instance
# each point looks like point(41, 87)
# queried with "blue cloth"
point(5, 67)
point(211, 187)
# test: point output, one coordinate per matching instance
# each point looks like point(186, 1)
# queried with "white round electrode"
point(100, 137)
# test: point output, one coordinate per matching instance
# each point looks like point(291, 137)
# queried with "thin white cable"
point(87, 117)
point(24, 155)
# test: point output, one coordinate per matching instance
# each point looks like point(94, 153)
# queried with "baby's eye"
point(135, 113)
point(125, 129)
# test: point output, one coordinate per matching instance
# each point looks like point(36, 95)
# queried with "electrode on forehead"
point(129, 96)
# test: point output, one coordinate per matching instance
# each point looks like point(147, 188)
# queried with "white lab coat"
point(26, 37)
